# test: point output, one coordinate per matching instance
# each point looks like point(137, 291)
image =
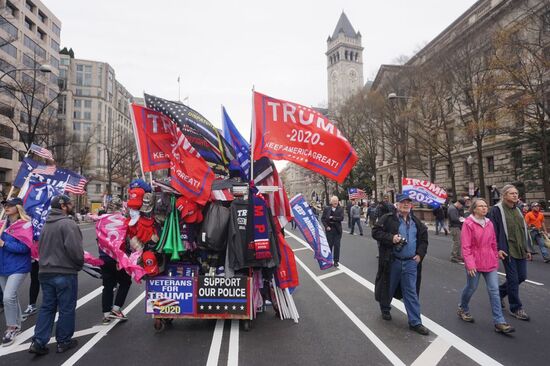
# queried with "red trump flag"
point(162, 145)
point(288, 131)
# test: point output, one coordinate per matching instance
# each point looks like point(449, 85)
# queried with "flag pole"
point(252, 138)
point(135, 137)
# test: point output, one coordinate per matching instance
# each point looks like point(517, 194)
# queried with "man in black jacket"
point(332, 218)
point(403, 243)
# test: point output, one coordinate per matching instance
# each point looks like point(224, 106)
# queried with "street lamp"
point(45, 68)
point(470, 162)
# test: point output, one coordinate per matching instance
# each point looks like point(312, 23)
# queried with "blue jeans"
point(440, 225)
point(356, 220)
point(537, 238)
point(58, 291)
point(491, 280)
point(404, 272)
point(516, 273)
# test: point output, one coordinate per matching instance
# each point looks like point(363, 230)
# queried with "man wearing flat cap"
point(403, 243)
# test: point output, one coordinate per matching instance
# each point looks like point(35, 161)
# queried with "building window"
point(42, 16)
point(28, 61)
point(8, 27)
point(6, 131)
point(491, 164)
point(76, 114)
point(78, 103)
point(56, 29)
point(87, 116)
point(11, 9)
point(39, 51)
point(28, 24)
point(54, 62)
point(29, 5)
point(6, 110)
point(517, 159)
point(55, 45)
point(41, 34)
point(98, 188)
point(8, 48)
point(6, 153)
point(87, 104)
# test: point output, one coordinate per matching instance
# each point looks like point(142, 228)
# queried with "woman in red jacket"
point(479, 249)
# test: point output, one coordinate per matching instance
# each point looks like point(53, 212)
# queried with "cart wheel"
point(169, 321)
point(159, 325)
point(246, 325)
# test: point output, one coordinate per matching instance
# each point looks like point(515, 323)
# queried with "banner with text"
point(219, 295)
point(312, 231)
point(288, 131)
point(170, 296)
point(423, 191)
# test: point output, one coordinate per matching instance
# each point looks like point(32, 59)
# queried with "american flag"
point(42, 152)
point(356, 194)
point(204, 137)
point(76, 184)
point(45, 169)
point(161, 303)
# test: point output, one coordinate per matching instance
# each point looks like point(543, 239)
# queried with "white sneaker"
point(9, 336)
point(30, 310)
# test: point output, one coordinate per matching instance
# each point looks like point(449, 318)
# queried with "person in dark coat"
point(399, 263)
point(332, 218)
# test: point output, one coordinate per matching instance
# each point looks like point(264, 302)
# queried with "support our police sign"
point(423, 191)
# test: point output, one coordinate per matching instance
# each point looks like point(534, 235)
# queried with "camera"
point(401, 244)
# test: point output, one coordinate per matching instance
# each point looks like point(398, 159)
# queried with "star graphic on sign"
point(225, 307)
point(202, 307)
point(217, 307)
point(242, 307)
point(234, 307)
point(209, 307)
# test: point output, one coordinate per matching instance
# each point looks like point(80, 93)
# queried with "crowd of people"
point(482, 234)
point(54, 268)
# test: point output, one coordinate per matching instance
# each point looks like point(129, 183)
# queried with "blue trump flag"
point(27, 165)
point(36, 202)
point(239, 144)
point(312, 231)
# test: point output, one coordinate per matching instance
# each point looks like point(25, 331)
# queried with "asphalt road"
point(339, 322)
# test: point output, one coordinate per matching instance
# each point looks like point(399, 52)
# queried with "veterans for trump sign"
point(423, 191)
point(288, 131)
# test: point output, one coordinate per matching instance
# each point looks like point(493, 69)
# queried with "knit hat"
point(135, 198)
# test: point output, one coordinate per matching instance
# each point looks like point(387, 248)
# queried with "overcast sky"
point(222, 48)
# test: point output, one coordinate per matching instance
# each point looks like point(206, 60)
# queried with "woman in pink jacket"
point(479, 249)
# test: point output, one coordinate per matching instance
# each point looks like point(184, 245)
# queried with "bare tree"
point(474, 93)
point(522, 57)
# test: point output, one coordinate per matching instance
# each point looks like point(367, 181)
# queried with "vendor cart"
point(199, 297)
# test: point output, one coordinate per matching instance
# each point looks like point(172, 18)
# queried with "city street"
point(339, 322)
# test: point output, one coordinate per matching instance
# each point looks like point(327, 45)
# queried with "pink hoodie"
point(479, 245)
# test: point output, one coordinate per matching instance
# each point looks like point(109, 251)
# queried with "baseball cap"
point(62, 199)
point(135, 198)
point(402, 197)
point(150, 264)
point(14, 201)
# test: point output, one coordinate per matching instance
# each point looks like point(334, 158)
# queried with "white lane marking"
point(87, 228)
point(533, 282)
point(297, 250)
point(80, 333)
point(392, 357)
point(233, 355)
point(330, 274)
point(215, 346)
point(433, 354)
point(455, 341)
point(102, 333)
point(30, 332)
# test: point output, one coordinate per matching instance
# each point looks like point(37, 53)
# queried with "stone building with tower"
point(344, 57)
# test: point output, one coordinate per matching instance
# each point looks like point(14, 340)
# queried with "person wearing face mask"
point(332, 218)
point(61, 258)
point(479, 248)
point(403, 244)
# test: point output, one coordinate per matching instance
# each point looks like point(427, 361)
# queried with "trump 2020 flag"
point(312, 231)
point(288, 131)
point(189, 173)
point(239, 144)
point(36, 202)
point(423, 191)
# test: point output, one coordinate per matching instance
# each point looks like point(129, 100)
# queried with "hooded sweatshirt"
point(60, 245)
